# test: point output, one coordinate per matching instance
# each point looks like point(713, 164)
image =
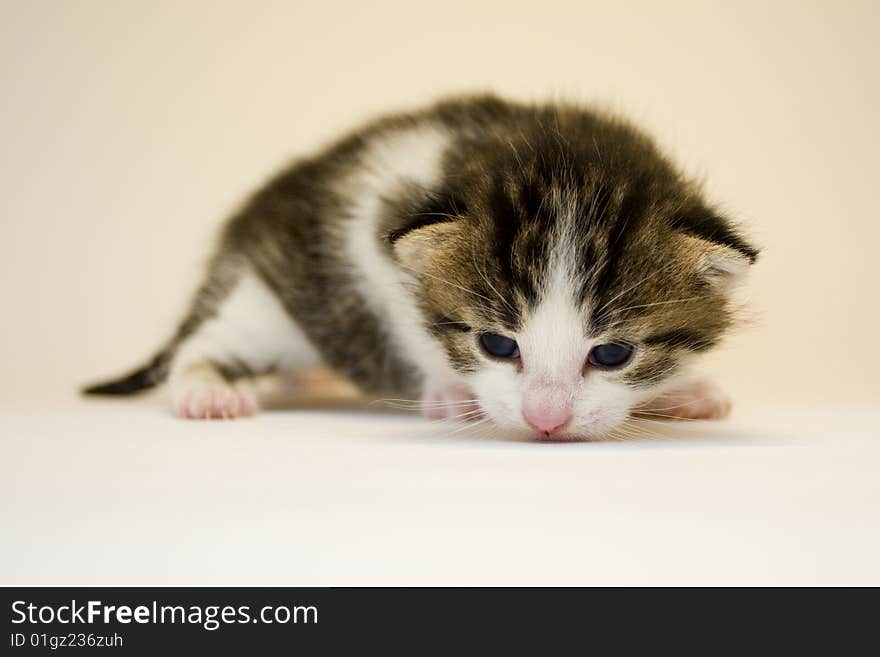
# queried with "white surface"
point(120, 492)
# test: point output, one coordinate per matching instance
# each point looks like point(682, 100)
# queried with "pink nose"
point(547, 420)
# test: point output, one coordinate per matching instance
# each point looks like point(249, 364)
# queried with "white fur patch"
point(250, 327)
point(411, 155)
point(553, 342)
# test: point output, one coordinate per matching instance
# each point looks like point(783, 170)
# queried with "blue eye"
point(499, 346)
point(612, 354)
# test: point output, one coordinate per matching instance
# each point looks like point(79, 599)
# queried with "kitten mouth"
point(569, 435)
point(562, 437)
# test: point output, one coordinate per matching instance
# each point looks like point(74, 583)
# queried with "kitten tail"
point(143, 378)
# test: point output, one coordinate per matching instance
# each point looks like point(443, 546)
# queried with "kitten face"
point(566, 288)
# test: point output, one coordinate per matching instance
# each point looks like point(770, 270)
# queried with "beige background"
point(129, 129)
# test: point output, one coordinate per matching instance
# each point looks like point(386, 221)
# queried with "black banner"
point(329, 620)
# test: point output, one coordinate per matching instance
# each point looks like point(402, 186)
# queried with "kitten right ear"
point(419, 245)
point(421, 229)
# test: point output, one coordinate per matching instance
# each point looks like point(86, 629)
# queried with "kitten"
point(543, 265)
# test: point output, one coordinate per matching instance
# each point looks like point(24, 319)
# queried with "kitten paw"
point(214, 401)
point(699, 400)
point(450, 402)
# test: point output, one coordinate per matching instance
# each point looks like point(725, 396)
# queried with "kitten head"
point(569, 273)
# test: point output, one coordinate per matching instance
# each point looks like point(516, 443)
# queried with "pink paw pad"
point(705, 402)
point(215, 402)
point(698, 401)
point(452, 403)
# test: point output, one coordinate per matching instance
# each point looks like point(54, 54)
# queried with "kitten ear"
point(722, 266)
point(416, 246)
point(723, 256)
point(420, 224)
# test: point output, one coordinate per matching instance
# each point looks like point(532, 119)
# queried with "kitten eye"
point(499, 346)
point(612, 354)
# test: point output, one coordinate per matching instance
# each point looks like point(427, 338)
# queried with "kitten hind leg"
point(249, 334)
point(200, 392)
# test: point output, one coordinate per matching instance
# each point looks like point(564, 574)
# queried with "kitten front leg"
point(449, 401)
point(697, 400)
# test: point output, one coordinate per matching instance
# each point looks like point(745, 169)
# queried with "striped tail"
point(143, 378)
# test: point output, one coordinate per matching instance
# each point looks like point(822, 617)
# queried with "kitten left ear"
point(723, 255)
point(722, 266)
